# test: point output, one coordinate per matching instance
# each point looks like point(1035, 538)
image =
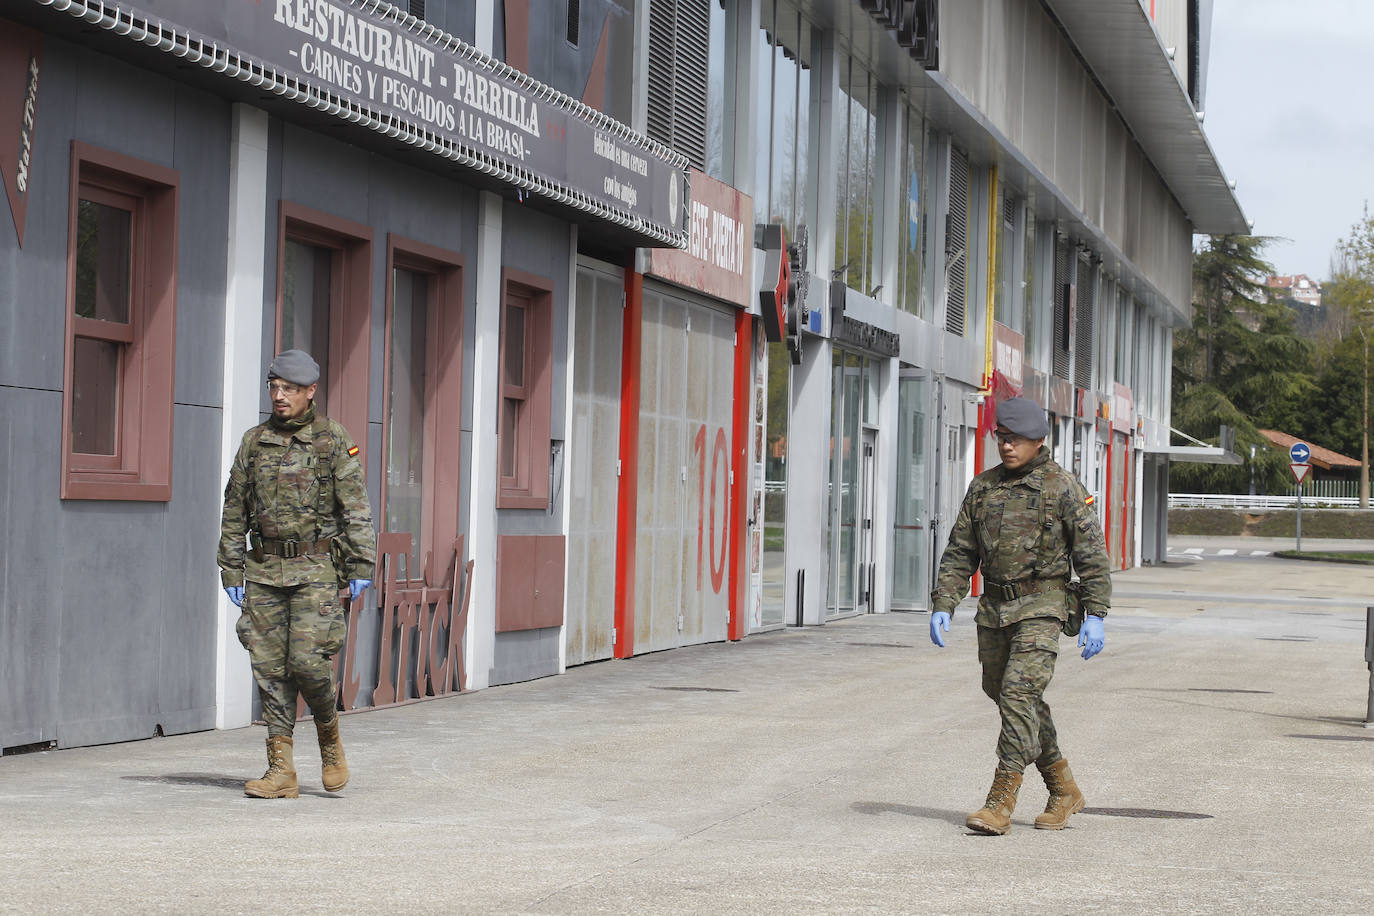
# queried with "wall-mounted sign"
point(864, 336)
point(1008, 354)
point(21, 66)
point(434, 89)
point(1123, 409)
point(719, 257)
point(775, 286)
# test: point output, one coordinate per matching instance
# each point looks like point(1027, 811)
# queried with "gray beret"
point(296, 366)
point(1023, 417)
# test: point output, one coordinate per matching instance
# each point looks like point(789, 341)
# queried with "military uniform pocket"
point(244, 629)
point(329, 634)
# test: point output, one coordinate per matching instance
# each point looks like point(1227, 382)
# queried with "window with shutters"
point(679, 42)
point(1063, 302)
point(957, 245)
point(121, 328)
point(1084, 348)
point(1006, 297)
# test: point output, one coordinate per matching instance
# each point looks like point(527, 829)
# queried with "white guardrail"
point(1242, 501)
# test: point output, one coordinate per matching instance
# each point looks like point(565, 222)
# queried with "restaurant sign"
point(435, 91)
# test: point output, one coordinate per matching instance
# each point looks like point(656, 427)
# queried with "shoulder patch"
point(353, 450)
point(1089, 500)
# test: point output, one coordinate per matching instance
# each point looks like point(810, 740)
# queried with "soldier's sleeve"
point(350, 492)
point(233, 526)
point(1087, 548)
point(958, 562)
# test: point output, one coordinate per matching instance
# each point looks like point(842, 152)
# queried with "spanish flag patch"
point(1087, 501)
point(354, 450)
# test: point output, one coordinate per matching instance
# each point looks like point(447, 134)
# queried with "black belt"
point(290, 547)
point(1010, 591)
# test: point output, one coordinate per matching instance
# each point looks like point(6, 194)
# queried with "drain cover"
point(1147, 812)
point(700, 689)
point(1335, 737)
point(1224, 690)
point(883, 645)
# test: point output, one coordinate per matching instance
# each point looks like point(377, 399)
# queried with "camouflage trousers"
point(291, 634)
point(1018, 662)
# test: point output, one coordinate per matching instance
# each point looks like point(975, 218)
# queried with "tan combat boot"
point(334, 766)
point(995, 816)
point(1065, 799)
point(280, 779)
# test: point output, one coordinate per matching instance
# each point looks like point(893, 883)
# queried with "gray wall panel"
point(190, 589)
point(30, 594)
point(525, 655)
point(33, 285)
point(111, 625)
point(323, 173)
point(121, 107)
point(112, 565)
point(202, 133)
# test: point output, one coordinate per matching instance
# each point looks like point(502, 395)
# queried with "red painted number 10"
point(720, 456)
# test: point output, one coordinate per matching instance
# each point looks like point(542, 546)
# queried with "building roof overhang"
point(1119, 44)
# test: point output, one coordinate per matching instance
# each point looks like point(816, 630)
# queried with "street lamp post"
point(1364, 428)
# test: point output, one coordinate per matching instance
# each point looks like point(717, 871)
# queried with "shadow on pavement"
point(213, 781)
point(953, 817)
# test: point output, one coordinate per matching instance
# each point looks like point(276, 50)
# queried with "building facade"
point(659, 322)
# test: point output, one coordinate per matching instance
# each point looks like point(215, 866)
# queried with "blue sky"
point(1290, 116)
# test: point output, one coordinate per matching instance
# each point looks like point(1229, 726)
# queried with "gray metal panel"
point(593, 452)
point(523, 655)
point(30, 591)
point(186, 634)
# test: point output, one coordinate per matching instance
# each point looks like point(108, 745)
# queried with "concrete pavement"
point(1218, 739)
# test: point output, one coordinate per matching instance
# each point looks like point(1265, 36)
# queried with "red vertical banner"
point(21, 67)
point(627, 496)
point(739, 470)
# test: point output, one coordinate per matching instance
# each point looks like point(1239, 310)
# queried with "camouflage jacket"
point(299, 481)
point(1035, 523)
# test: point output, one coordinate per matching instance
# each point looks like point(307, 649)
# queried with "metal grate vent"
point(574, 21)
point(956, 245)
point(679, 52)
point(416, 8)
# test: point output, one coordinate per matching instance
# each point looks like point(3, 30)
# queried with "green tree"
point(1240, 365)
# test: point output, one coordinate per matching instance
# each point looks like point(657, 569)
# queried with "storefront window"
point(775, 487)
point(913, 223)
point(857, 126)
point(911, 541)
point(846, 442)
point(783, 156)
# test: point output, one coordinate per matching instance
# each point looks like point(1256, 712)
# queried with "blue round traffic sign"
point(1299, 452)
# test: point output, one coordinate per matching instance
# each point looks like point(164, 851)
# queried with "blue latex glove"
point(939, 621)
point(1091, 638)
point(356, 587)
point(235, 593)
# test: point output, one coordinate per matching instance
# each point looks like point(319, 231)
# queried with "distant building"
point(1326, 464)
point(1298, 289)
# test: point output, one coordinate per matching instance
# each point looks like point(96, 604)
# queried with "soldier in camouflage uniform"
point(1028, 525)
point(296, 495)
